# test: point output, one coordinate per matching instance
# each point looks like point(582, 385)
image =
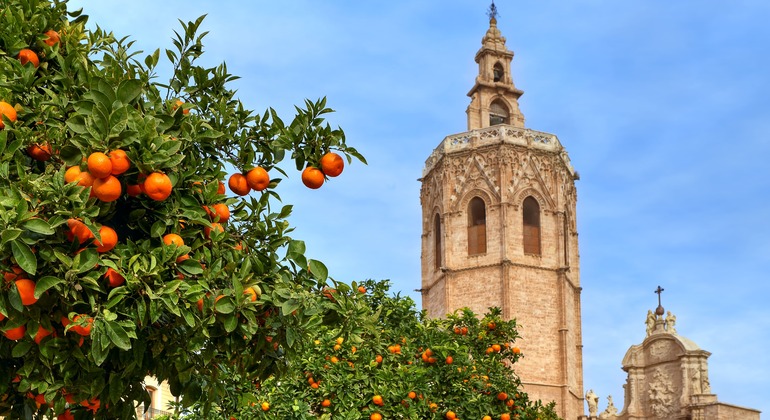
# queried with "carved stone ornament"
point(661, 395)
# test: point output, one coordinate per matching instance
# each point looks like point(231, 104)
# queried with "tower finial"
point(659, 310)
point(492, 12)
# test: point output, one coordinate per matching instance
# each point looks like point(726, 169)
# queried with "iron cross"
point(659, 290)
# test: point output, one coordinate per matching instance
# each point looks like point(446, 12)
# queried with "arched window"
point(477, 226)
point(437, 242)
point(497, 72)
point(498, 113)
point(531, 226)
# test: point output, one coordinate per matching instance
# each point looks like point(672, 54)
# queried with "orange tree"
point(122, 251)
point(379, 358)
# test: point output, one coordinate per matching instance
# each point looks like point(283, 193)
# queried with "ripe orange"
point(314, 385)
point(375, 416)
point(496, 348)
point(79, 230)
point(120, 162)
point(239, 184)
point(502, 396)
point(450, 415)
point(26, 289)
point(15, 333)
point(53, 38)
point(2, 317)
point(326, 403)
point(486, 418)
point(28, 56)
point(7, 111)
point(412, 395)
point(66, 415)
point(85, 179)
point(378, 359)
point(41, 334)
point(179, 103)
point(158, 186)
point(173, 238)
point(72, 173)
point(361, 289)
point(332, 164)
point(252, 292)
point(449, 360)
point(220, 187)
point(109, 239)
point(82, 330)
point(265, 406)
point(99, 165)
point(491, 325)
point(114, 279)
point(214, 226)
point(377, 400)
point(258, 179)
point(219, 210)
point(41, 152)
point(312, 177)
point(516, 350)
point(107, 189)
point(134, 190)
point(505, 416)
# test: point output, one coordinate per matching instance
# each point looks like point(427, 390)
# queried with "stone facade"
point(668, 378)
point(499, 229)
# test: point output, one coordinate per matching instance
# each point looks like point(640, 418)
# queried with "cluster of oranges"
point(332, 165)
point(256, 179)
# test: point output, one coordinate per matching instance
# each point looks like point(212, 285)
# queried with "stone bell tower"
point(498, 206)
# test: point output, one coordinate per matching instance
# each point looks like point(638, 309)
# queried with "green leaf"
point(46, 283)
point(289, 306)
point(21, 348)
point(191, 267)
point(158, 228)
point(230, 323)
point(224, 305)
point(9, 235)
point(88, 260)
point(24, 257)
point(318, 269)
point(118, 335)
point(291, 336)
point(128, 90)
point(38, 226)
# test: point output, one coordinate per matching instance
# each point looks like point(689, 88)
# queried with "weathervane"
point(659, 310)
point(492, 12)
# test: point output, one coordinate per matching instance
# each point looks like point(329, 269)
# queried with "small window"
point(531, 226)
point(437, 242)
point(477, 226)
point(497, 72)
point(498, 113)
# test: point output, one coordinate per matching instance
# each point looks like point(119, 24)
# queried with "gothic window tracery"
point(437, 242)
point(477, 226)
point(531, 219)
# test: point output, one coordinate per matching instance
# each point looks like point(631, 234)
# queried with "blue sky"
point(662, 107)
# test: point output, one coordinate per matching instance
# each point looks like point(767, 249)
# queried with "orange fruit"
point(99, 165)
point(158, 186)
point(326, 403)
point(378, 359)
point(109, 239)
point(450, 415)
point(375, 416)
point(85, 179)
point(2, 317)
point(219, 210)
point(7, 111)
point(502, 396)
point(449, 360)
point(173, 238)
point(53, 38)
point(66, 415)
point(361, 289)
point(179, 103)
point(258, 179)
point(412, 395)
point(377, 400)
point(314, 385)
point(220, 187)
point(486, 418)
point(15, 333)
point(516, 350)
point(114, 279)
point(26, 289)
point(28, 56)
point(252, 292)
point(41, 152)
point(491, 325)
point(265, 406)
point(134, 190)
point(41, 334)
point(239, 184)
point(505, 416)
point(15, 272)
point(332, 164)
point(496, 348)
point(120, 162)
point(72, 174)
point(312, 177)
point(79, 230)
point(214, 226)
point(107, 189)
point(82, 330)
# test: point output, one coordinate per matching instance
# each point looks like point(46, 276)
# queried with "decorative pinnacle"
point(492, 12)
point(659, 310)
